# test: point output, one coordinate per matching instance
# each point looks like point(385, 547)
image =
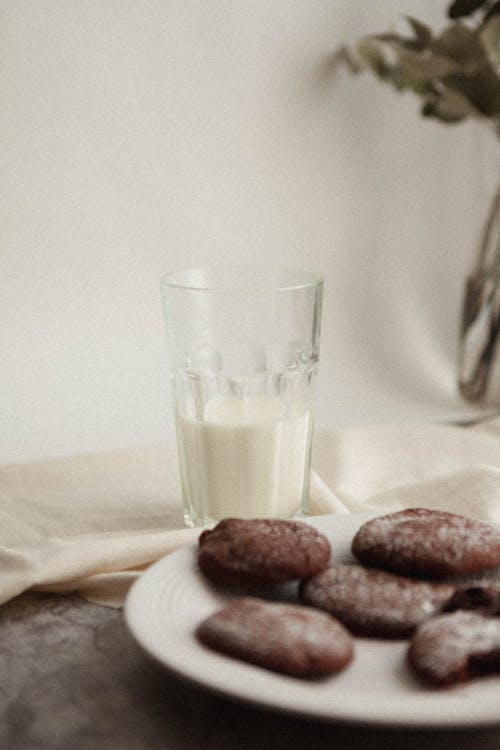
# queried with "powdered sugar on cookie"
point(425, 542)
point(455, 647)
point(282, 637)
point(261, 551)
point(374, 602)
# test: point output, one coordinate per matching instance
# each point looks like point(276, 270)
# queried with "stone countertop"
point(72, 678)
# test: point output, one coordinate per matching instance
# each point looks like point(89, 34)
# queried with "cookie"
point(428, 543)
point(240, 552)
point(454, 648)
point(374, 602)
point(480, 596)
point(282, 637)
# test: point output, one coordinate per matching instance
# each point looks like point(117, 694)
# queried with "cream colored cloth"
point(91, 523)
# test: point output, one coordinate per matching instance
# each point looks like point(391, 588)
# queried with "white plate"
point(172, 597)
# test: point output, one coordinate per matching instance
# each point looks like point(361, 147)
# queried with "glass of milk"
point(243, 345)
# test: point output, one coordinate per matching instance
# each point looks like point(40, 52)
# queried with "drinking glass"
point(243, 348)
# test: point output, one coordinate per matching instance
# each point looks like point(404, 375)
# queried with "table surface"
point(73, 677)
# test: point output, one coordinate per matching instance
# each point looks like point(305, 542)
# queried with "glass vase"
point(479, 350)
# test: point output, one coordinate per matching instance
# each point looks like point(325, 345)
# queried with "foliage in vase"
point(455, 73)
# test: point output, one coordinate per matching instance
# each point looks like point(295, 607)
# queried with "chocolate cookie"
point(241, 552)
point(374, 602)
point(424, 542)
point(481, 596)
point(455, 647)
point(282, 637)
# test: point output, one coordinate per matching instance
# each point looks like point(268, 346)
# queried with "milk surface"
point(247, 458)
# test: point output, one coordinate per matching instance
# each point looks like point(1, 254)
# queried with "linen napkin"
point(91, 523)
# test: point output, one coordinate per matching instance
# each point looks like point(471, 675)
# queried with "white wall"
point(137, 137)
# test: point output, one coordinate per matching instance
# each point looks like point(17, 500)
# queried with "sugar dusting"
point(267, 549)
point(444, 648)
point(423, 541)
point(374, 602)
point(281, 636)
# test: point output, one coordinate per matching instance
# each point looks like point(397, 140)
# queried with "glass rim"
point(178, 279)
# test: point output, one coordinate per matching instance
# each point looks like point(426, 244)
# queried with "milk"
point(247, 458)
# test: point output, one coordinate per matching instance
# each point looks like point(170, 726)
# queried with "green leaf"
point(434, 107)
point(401, 80)
point(396, 40)
point(417, 62)
point(461, 44)
point(494, 10)
point(460, 8)
point(373, 57)
point(426, 65)
point(344, 57)
point(423, 34)
point(448, 105)
point(482, 89)
point(490, 39)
